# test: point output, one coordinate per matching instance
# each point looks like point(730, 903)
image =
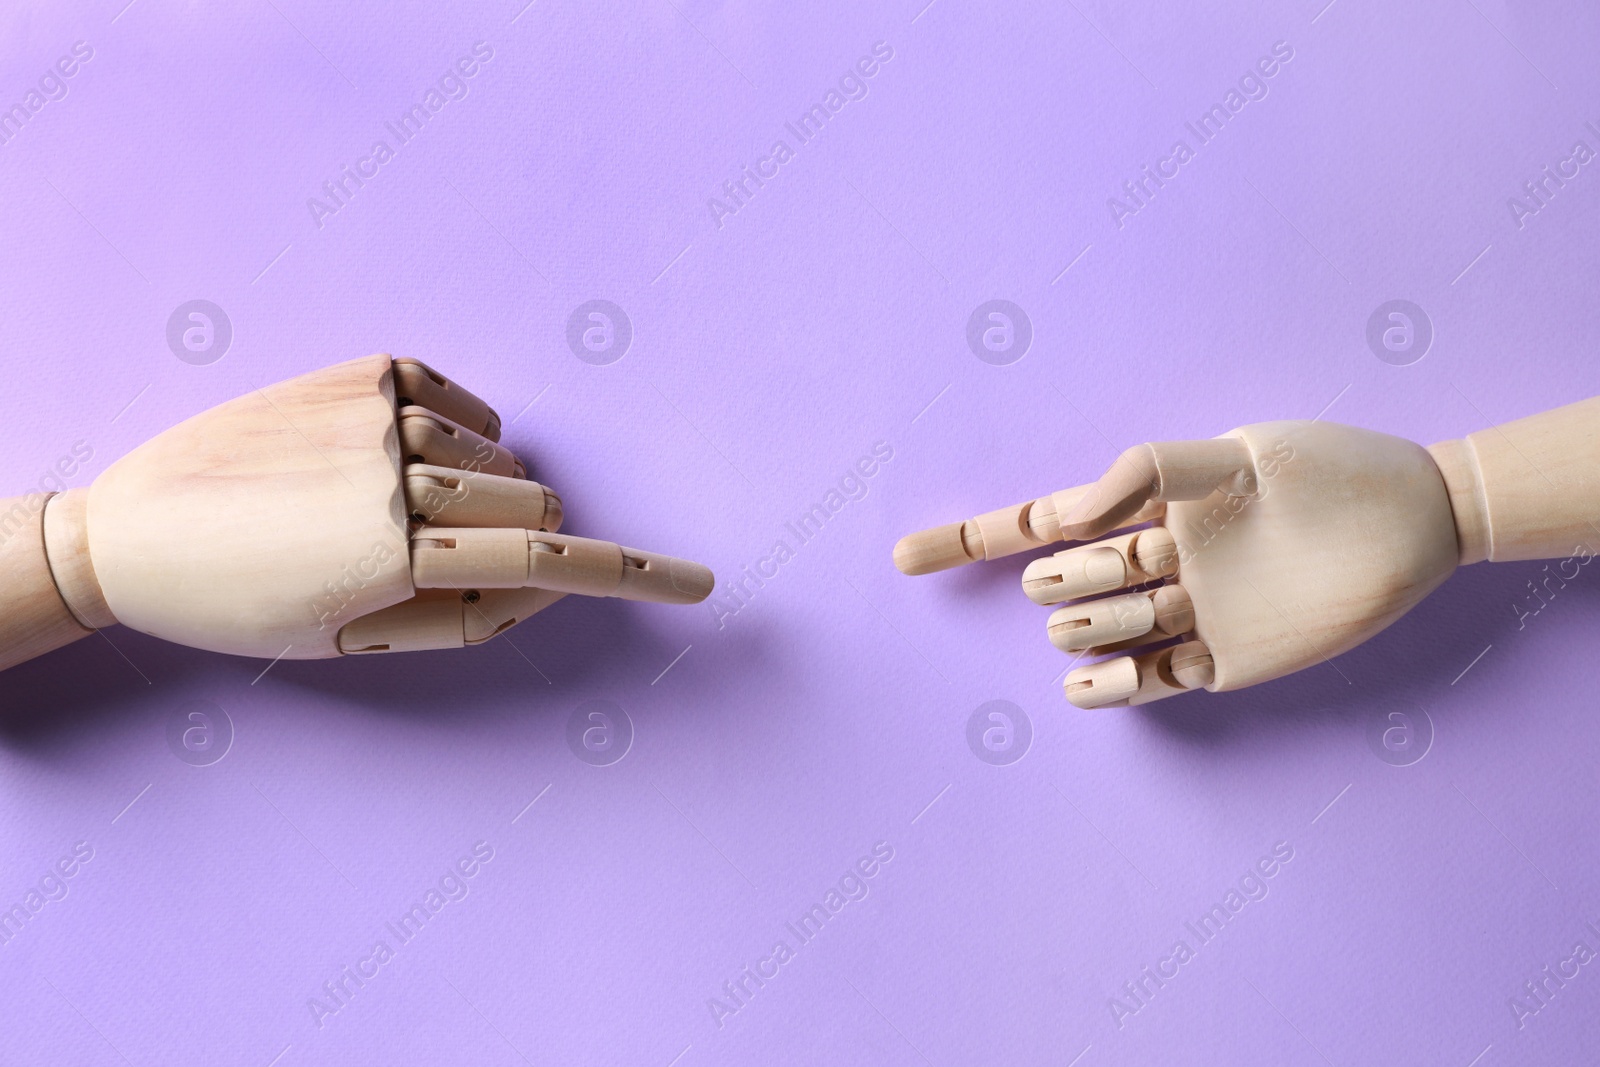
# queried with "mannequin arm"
point(1529, 489)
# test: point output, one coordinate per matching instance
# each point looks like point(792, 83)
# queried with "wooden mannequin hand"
point(1278, 545)
point(365, 507)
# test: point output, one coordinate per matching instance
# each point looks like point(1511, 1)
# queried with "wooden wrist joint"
point(51, 596)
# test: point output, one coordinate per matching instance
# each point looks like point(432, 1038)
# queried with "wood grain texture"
point(66, 545)
point(35, 619)
point(263, 525)
point(1528, 489)
point(1349, 531)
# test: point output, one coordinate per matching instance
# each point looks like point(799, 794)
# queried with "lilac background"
point(830, 713)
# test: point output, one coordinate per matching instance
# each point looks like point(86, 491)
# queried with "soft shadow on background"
point(1412, 663)
point(570, 651)
point(580, 643)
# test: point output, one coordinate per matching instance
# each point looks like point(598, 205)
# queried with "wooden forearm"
point(1529, 489)
point(34, 619)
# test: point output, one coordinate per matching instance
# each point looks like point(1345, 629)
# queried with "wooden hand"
point(1278, 545)
point(365, 507)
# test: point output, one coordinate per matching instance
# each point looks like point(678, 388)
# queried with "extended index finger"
point(1030, 524)
point(487, 558)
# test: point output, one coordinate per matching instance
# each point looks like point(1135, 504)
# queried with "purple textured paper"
point(1433, 790)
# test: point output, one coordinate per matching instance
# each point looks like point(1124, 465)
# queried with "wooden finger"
point(1152, 615)
point(465, 558)
point(441, 496)
point(1103, 567)
point(1174, 618)
point(443, 618)
point(1159, 471)
point(416, 383)
point(1132, 680)
point(428, 437)
point(493, 611)
point(431, 619)
point(1030, 524)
